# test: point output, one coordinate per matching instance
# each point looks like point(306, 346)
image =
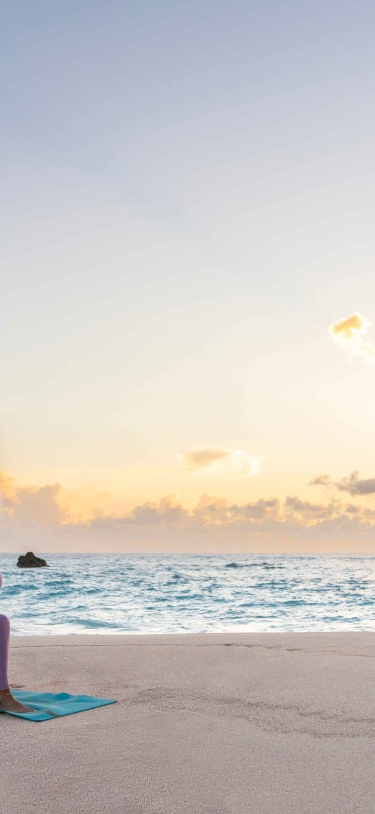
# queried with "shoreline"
point(244, 723)
point(231, 634)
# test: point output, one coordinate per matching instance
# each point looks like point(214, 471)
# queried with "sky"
point(187, 285)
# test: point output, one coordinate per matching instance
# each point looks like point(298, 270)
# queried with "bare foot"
point(9, 704)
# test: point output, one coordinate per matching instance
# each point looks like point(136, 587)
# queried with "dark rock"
point(29, 560)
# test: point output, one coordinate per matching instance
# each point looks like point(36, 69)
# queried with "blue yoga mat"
point(48, 706)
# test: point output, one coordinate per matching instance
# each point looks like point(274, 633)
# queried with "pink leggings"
point(4, 651)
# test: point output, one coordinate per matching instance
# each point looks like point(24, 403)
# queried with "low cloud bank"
point(42, 519)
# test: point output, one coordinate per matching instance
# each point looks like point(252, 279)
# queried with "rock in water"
point(29, 560)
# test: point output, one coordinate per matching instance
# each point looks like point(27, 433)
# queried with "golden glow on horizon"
point(96, 521)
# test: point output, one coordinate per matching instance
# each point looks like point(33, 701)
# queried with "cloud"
point(320, 480)
point(218, 511)
point(40, 506)
point(218, 460)
point(351, 484)
point(310, 513)
point(167, 510)
point(349, 333)
point(355, 486)
point(42, 519)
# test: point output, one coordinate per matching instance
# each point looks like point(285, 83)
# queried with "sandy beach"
point(215, 724)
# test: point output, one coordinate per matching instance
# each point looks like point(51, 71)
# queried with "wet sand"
point(208, 724)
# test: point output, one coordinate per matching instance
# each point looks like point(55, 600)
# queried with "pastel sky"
point(187, 286)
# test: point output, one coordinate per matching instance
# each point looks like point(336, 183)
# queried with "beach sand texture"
point(214, 724)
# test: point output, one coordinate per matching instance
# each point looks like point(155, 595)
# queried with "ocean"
point(188, 593)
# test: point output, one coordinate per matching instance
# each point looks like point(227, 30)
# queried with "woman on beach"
point(7, 702)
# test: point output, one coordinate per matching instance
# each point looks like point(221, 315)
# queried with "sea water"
point(186, 593)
